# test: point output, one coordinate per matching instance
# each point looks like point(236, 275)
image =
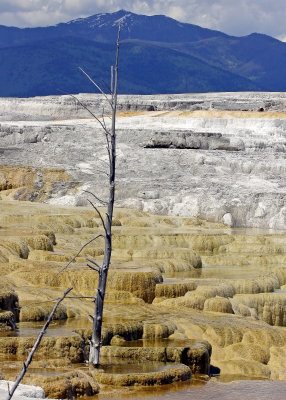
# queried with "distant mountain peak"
point(103, 19)
point(123, 19)
point(262, 37)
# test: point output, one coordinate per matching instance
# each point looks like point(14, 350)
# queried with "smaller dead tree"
point(36, 345)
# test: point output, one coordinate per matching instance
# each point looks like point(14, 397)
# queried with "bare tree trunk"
point(95, 341)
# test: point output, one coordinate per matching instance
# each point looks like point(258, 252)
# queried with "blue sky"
point(235, 17)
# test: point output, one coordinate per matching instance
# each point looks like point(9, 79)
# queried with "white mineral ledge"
point(23, 392)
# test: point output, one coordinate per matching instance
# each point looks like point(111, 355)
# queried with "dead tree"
point(102, 270)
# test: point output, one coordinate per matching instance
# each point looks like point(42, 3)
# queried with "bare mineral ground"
point(185, 297)
point(216, 156)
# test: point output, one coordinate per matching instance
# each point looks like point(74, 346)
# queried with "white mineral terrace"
point(225, 166)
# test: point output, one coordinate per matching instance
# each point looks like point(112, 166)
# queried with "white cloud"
point(235, 17)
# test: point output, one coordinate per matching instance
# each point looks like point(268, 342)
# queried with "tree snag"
point(95, 342)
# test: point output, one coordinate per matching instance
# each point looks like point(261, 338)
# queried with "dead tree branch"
point(74, 258)
point(96, 85)
point(94, 263)
point(99, 214)
point(96, 198)
point(90, 112)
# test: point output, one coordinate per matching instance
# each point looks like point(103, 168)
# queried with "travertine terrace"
point(177, 288)
point(220, 157)
point(192, 290)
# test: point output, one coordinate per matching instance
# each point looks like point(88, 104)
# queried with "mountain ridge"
point(108, 26)
point(227, 63)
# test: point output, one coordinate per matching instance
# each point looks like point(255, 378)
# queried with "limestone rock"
point(23, 392)
point(227, 219)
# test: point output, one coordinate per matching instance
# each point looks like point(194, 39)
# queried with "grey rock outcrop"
point(194, 140)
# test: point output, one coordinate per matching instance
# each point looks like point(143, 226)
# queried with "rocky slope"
point(215, 156)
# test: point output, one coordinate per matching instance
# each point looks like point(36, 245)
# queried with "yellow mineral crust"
point(65, 385)
point(51, 347)
point(173, 374)
point(28, 183)
point(270, 307)
point(174, 289)
point(195, 355)
point(207, 114)
point(218, 304)
point(172, 279)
